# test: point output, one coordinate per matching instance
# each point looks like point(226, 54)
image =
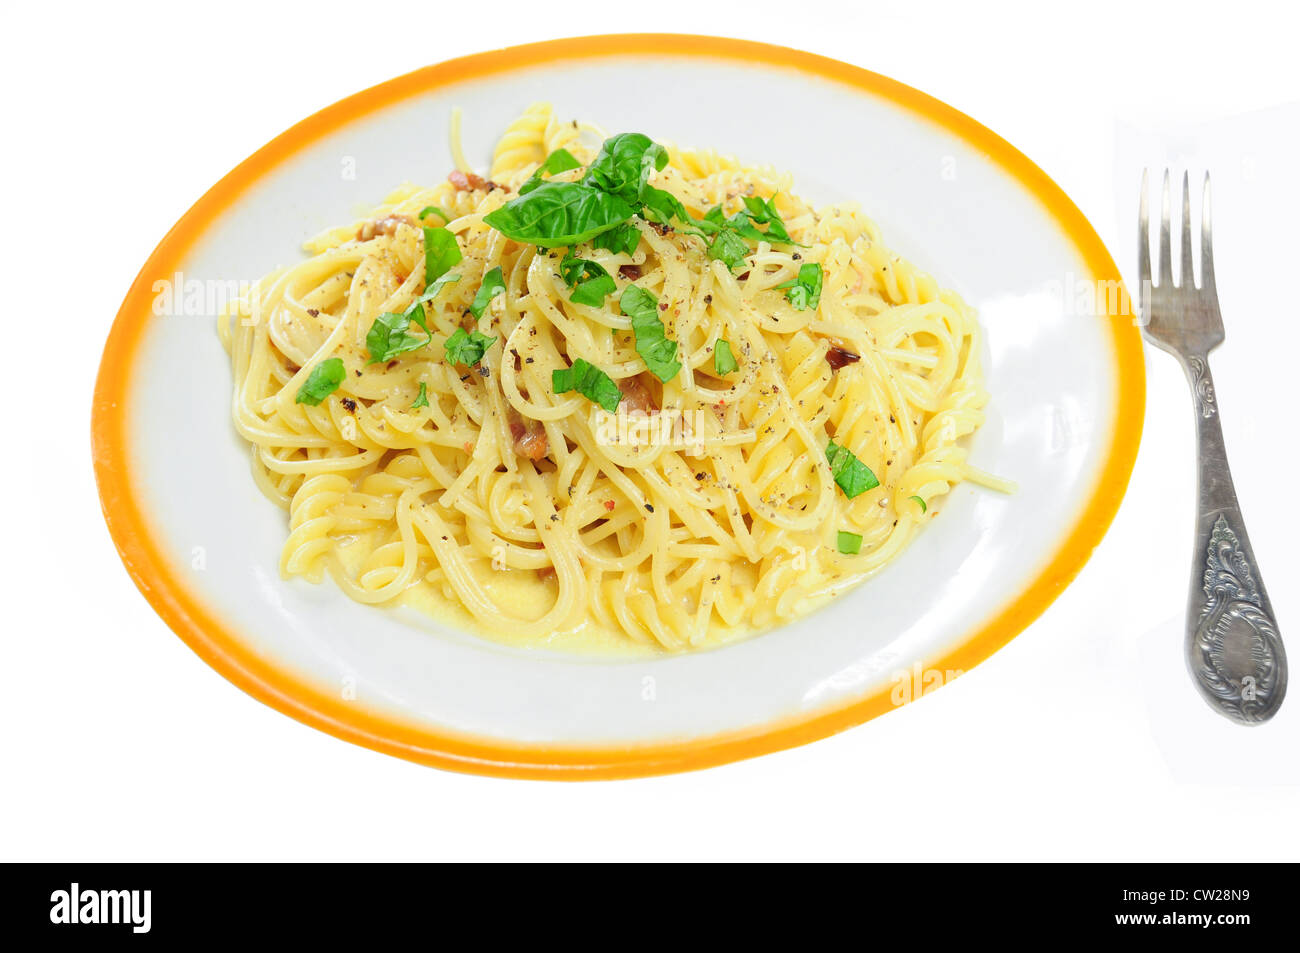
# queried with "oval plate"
point(1065, 419)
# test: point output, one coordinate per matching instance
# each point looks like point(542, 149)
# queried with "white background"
point(1083, 739)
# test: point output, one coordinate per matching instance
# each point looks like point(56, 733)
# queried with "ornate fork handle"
point(1234, 650)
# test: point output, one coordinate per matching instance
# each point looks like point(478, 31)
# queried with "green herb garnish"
point(853, 476)
point(764, 213)
point(391, 335)
point(724, 362)
point(805, 291)
point(850, 544)
point(559, 213)
point(493, 285)
point(431, 291)
point(729, 248)
point(919, 502)
point(421, 399)
point(588, 279)
point(623, 165)
point(738, 224)
point(323, 380)
point(434, 210)
point(440, 253)
point(615, 187)
point(561, 160)
point(658, 352)
point(467, 347)
point(623, 239)
point(589, 381)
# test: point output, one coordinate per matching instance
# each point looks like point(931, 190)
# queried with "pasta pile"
point(784, 414)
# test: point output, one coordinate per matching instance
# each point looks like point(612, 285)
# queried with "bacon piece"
point(637, 396)
point(546, 572)
point(630, 272)
point(469, 182)
point(838, 356)
point(381, 226)
point(530, 438)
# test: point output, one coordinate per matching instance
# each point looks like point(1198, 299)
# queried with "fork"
point(1234, 651)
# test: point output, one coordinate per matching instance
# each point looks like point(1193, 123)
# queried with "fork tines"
point(1165, 263)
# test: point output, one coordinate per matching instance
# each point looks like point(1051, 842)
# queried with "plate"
point(1063, 366)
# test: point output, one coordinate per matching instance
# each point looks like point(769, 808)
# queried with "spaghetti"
point(696, 423)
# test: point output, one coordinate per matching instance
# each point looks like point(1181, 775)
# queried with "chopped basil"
point(323, 380)
point(493, 285)
point(432, 290)
point(615, 187)
point(623, 239)
point(467, 347)
point(391, 335)
point(850, 544)
point(434, 210)
point(589, 280)
point(805, 291)
point(765, 213)
point(658, 352)
point(623, 165)
point(919, 502)
point(561, 160)
point(663, 207)
point(440, 253)
point(738, 224)
point(729, 248)
point(724, 362)
point(589, 381)
point(853, 476)
point(421, 399)
point(559, 213)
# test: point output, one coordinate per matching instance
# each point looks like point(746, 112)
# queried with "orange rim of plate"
point(224, 650)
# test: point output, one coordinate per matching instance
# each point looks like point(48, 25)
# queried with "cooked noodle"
point(713, 515)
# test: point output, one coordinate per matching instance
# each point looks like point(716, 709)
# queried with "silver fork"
point(1234, 651)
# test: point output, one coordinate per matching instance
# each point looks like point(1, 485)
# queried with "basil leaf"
point(323, 380)
point(468, 348)
point(658, 352)
point(853, 476)
point(593, 283)
point(776, 230)
point(663, 207)
point(559, 213)
point(493, 285)
point(440, 253)
point(434, 210)
point(624, 238)
point(765, 213)
point(624, 163)
point(729, 248)
point(739, 223)
point(432, 291)
point(391, 335)
point(561, 160)
point(421, 399)
point(850, 544)
point(589, 381)
point(805, 291)
point(919, 502)
point(756, 209)
point(724, 362)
